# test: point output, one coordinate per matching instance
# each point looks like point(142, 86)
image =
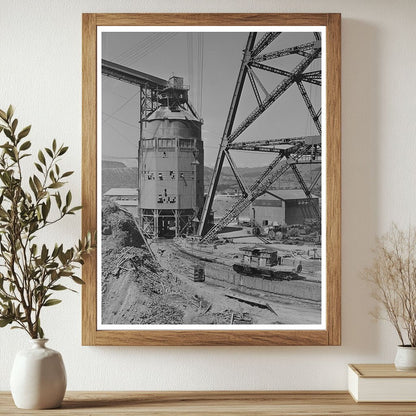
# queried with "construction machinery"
point(267, 263)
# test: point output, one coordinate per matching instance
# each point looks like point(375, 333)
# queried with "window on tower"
point(166, 143)
point(186, 144)
point(148, 143)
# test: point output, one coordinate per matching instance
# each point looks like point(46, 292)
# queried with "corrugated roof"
point(165, 112)
point(130, 203)
point(121, 191)
point(286, 194)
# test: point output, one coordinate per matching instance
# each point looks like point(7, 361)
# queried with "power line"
point(139, 48)
point(121, 121)
point(143, 51)
point(137, 45)
point(201, 69)
point(122, 106)
point(123, 136)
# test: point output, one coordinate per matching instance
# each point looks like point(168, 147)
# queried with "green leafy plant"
point(30, 272)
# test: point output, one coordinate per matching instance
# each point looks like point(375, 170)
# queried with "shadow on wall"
point(361, 56)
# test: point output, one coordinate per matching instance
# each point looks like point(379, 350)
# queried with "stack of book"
point(381, 383)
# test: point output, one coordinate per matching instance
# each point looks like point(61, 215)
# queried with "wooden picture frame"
point(331, 335)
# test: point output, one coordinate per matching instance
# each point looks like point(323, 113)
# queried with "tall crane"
point(290, 151)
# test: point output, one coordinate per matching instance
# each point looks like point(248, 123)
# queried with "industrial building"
point(171, 165)
point(126, 198)
point(283, 206)
point(125, 194)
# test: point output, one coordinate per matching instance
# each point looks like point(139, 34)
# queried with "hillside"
point(112, 164)
point(119, 178)
point(288, 180)
point(117, 175)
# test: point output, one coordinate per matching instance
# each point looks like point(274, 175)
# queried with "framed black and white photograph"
point(212, 175)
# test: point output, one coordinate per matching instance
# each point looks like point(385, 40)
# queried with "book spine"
point(353, 381)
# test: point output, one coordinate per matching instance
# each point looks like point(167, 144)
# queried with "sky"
point(209, 63)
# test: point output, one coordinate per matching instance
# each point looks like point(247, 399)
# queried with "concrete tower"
point(171, 165)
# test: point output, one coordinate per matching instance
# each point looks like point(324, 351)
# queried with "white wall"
point(40, 73)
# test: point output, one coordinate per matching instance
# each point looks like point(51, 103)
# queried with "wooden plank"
point(89, 173)
point(211, 19)
point(211, 338)
point(333, 178)
point(381, 371)
point(180, 403)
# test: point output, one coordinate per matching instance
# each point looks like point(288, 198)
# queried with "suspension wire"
point(137, 45)
point(104, 40)
point(201, 75)
point(197, 70)
point(142, 48)
point(190, 47)
point(139, 48)
point(195, 47)
point(150, 48)
point(122, 106)
point(123, 136)
point(153, 47)
point(134, 126)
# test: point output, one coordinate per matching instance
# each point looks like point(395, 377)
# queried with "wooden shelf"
point(318, 403)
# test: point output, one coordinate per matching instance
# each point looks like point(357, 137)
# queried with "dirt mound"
point(120, 225)
point(135, 288)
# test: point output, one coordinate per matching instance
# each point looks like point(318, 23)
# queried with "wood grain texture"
point(211, 19)
point(213, 338)
point(333, 178)
point(212, 403)
point(89, 173)
point(380, 371)
point(330, 336)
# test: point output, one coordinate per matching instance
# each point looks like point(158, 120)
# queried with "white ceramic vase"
point(405, 358)
point(38, 378)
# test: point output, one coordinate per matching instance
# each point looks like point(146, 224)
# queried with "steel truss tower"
point(289, 151)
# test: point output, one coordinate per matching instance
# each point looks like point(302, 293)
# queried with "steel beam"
point(293, 50)
point(271, 69)
point(254, 86)
point(239, 179)
point(308, 103)
point(289, 151)
point(274, 95)
point(227, 130)
point(123, 73)
point(316, 139)
point(265, 40)
point(244, 202)
point(306, 190)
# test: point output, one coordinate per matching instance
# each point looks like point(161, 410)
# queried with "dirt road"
point(283, 309)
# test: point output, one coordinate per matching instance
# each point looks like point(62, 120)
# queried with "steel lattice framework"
point(290, 151)
point(150, 87)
